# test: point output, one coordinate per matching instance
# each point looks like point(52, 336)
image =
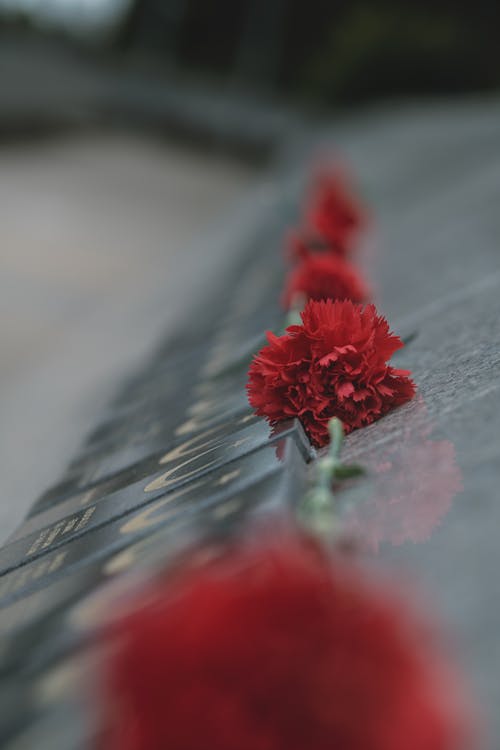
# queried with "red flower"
point(333, 365)
point(324, 276)
point(269, 648)
point(298, 247)
point(333, 213)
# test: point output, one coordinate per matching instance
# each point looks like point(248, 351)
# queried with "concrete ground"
point(101, 235)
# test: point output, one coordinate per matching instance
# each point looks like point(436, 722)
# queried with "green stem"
point(317, 511)
point(336, 431)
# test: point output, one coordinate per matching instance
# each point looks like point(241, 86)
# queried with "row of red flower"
point(271, 642)
point(335, 363)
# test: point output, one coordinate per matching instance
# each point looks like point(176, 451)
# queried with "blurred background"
point(129, 132)
point(329, 52)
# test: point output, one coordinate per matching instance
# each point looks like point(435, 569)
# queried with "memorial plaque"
point(158, 410)
point(104, 463)
point(166, 508)
point(43, 623)
point(121, 441)
point(72, 518)
point(168, 380)
point(178, 459)
point(137, 465)
point(51, 621)
point(53, 659)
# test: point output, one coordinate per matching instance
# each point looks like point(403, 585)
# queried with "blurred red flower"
point(333, 365)
point(323, 276)
point(269, 647)
point(298, 247)
point(332, 211)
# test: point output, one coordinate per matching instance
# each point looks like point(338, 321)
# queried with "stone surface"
point(432, 176)
point(428, 508)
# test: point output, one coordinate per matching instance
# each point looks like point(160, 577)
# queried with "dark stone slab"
point(45, 625)
point(73, 518)
point(19, 706)
point(166, 393)
point(211, 489)
point(47, 645)
point(152, 437)
point(164, 408)
point(138, 468)
point(62, 727)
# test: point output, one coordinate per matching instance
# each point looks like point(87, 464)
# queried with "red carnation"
point(333, 365)
point(268, 648)
point(324, 277)
point(299, 247)
point(333, 213)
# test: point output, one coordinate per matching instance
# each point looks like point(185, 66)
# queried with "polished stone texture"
point(432, 176)
point(427, 510)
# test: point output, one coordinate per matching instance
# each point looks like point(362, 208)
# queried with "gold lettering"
point(57, 562)
point(225, 509)
point(226, 478)
point(120, 562)
point(53, 534)
point(39, 570)
point(37, 543)
point(86, 517)
point(187, 427)
point(214, 364)
point(165, 479)
point(195, 424)
point(88, 496)
point(144, 520)
point(240, 442)
point(70, 525)
point(201, 407)
point(194, 443)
